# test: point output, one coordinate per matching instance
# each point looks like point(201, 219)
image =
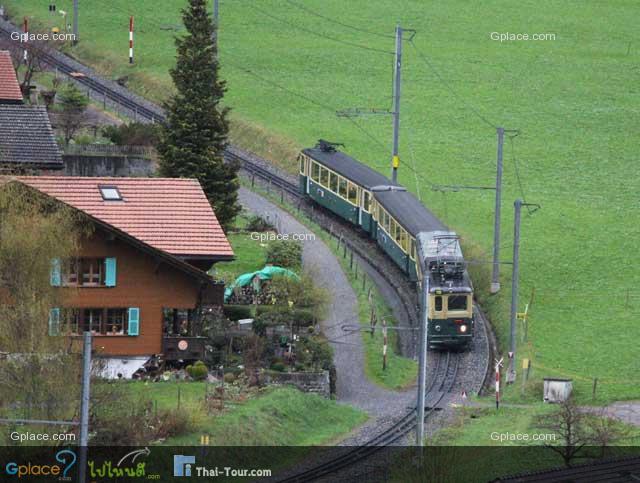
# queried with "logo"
point(182, 464)
point(65, 456)
point(126, 467)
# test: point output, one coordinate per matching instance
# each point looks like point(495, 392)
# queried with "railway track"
point(439, 387)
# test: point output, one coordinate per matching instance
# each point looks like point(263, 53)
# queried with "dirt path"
point(352, 385)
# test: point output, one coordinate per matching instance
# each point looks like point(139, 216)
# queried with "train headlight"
point(463, 328)
point(438, 328)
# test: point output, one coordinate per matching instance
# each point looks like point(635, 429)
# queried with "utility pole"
point(495, 279)
point(395, 160)
point(422, 371)
point(511, 374)
point(75, 22)
point(84, 406)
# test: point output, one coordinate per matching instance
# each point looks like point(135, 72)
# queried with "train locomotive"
point(403, 228)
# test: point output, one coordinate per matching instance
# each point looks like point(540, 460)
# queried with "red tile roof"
point(172, 215)
point(9, 87)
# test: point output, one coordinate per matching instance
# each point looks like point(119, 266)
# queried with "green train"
point(404, 229)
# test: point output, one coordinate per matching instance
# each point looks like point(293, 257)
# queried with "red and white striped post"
point(384, 344)
point(131, 39)
point(498, 365)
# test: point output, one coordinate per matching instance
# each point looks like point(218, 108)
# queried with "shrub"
point(302, 292)
point(285, 253)
point(198, 371)
point(237, 312)
point(257, 223)
point(172, 423)
point(133, 134)
point(278, 367)
point(278, 314)
point(229, 377)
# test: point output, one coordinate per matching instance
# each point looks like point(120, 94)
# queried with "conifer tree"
point(195, 135)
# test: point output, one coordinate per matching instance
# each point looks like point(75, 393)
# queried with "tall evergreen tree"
point(195, 134)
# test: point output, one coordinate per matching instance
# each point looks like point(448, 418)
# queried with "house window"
point(70, 321)
point(116, 321)
point(178, 321)
point(110, 193)
point(92, 270)
point(70, 272)
point(92, 320)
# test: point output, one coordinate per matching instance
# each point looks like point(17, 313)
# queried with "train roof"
point(456, 285)
point(407, 210)
point(348, 167)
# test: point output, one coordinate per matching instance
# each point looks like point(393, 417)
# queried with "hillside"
point(575, 100)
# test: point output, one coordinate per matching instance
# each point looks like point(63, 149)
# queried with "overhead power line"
point(449, 88)
point(337, 22)
point(313, 32)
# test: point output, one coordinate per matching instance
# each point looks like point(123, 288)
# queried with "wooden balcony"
point(183, 348)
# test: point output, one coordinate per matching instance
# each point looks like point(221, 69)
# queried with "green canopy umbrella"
point(267, 273)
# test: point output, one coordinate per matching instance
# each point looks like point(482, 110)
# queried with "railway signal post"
point(511, 373)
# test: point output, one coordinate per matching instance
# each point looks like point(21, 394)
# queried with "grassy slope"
point(575, 100)
point(250, 254)
point(283, 416)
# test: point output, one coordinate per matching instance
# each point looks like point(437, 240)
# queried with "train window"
point(413, 248)
point(324, 177)
point(457, 302)
point(366, 201)
point(438, 304)
point(301, 160)
point(342, 187)
point(315, 171)
point(404, 241)
point(353, 194)
point(333, 182)
point(392, 228)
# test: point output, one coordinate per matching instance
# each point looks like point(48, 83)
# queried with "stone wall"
point(107, 165)
point(314, 382)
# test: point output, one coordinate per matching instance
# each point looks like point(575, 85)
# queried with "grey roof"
point(407, 210)
point(26, 137)
point(348, 167)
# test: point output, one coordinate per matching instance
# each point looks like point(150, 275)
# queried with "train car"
point(398, 218)
point(339, 183)
point(450, 292)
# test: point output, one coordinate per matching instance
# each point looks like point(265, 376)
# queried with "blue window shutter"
point(134, 321)
point(55, 272)
point(110, 272)
point(54, 322)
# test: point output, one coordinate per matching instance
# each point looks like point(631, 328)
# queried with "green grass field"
point(575, 100)
point(277, 417)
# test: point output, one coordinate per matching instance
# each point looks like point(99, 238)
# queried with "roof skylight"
point(110, 193)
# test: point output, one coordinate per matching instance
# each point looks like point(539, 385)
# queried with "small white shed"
point(557, 390)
